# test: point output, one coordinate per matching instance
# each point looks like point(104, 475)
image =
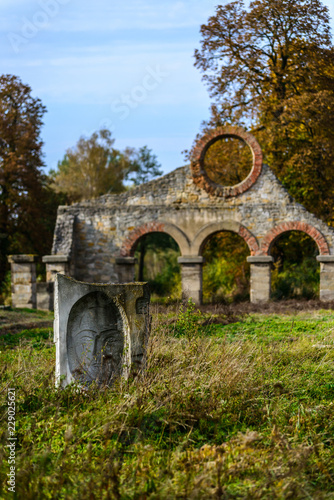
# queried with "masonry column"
point(56, 264)
point(125, 268)
point(260, 282)
point(326, 277)
point(23, 272)
point(191, 276)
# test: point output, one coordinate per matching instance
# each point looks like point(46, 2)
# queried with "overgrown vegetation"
point(296, 271)
point(226, 272)
point(28, 205)
point(225, 409)
point(156, 255)
point(95, 167)
point(269, 65)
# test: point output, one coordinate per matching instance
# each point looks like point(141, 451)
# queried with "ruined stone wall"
point(96, 232)
point(95, 240)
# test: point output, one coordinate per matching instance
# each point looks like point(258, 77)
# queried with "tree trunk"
point(141, 260)
point(4, 243)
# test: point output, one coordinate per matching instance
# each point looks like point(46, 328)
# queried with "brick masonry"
point(200, 176)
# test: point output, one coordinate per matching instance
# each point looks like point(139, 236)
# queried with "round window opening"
point(226, 161)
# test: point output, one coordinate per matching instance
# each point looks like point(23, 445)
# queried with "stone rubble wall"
point(95, 232)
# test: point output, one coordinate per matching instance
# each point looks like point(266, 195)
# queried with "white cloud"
point(105, 15)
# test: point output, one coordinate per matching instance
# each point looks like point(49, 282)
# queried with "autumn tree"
point(27, 205)
point(144, 165)
point(226, 272)
point(156, 255)
point(95, 167)
point(270, 68)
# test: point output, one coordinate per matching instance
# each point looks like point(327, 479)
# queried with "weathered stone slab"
point(22, 258)
point(100, 330)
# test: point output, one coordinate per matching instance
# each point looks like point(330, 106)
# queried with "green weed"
point(242, 410)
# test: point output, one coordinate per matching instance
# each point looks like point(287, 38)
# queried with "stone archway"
point(192, 264)
point(278, 230)
point(261, 264)
point(126, 261)
point(179, 236)
point(228, 225)
point(96, 239)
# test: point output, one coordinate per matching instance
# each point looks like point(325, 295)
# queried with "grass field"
point(231, 405)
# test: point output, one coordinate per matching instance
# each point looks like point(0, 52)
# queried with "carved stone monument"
point(100, 330)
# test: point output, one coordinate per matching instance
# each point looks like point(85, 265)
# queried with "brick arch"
point(129, 244)
point(216, 227)
point(272, 236)
point(200, 177)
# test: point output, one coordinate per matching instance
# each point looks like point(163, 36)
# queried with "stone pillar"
point(45, 296)
point(23, 271)
point(260, 282)
point(125, 269)
point(191, 276)
point(326, 277)
point(56, 264)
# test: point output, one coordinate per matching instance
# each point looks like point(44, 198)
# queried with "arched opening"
point(228, 161)
point(156, 256)
point(226, 272)
point(296, 272)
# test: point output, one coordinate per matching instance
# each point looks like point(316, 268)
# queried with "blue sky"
point(124, 65)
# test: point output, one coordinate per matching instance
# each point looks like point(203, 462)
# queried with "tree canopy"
point(27, 205)
point(270, 68)
point(94, 167)
point(144, 165)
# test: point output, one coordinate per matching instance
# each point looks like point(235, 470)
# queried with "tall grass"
point(212, 416)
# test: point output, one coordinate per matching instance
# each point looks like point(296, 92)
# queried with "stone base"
point(125, 268)
point(45, 296)
point(191, 277)
point(326, 277)
point(260, 282)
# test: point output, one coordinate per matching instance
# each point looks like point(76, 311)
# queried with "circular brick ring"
point(201, 178)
